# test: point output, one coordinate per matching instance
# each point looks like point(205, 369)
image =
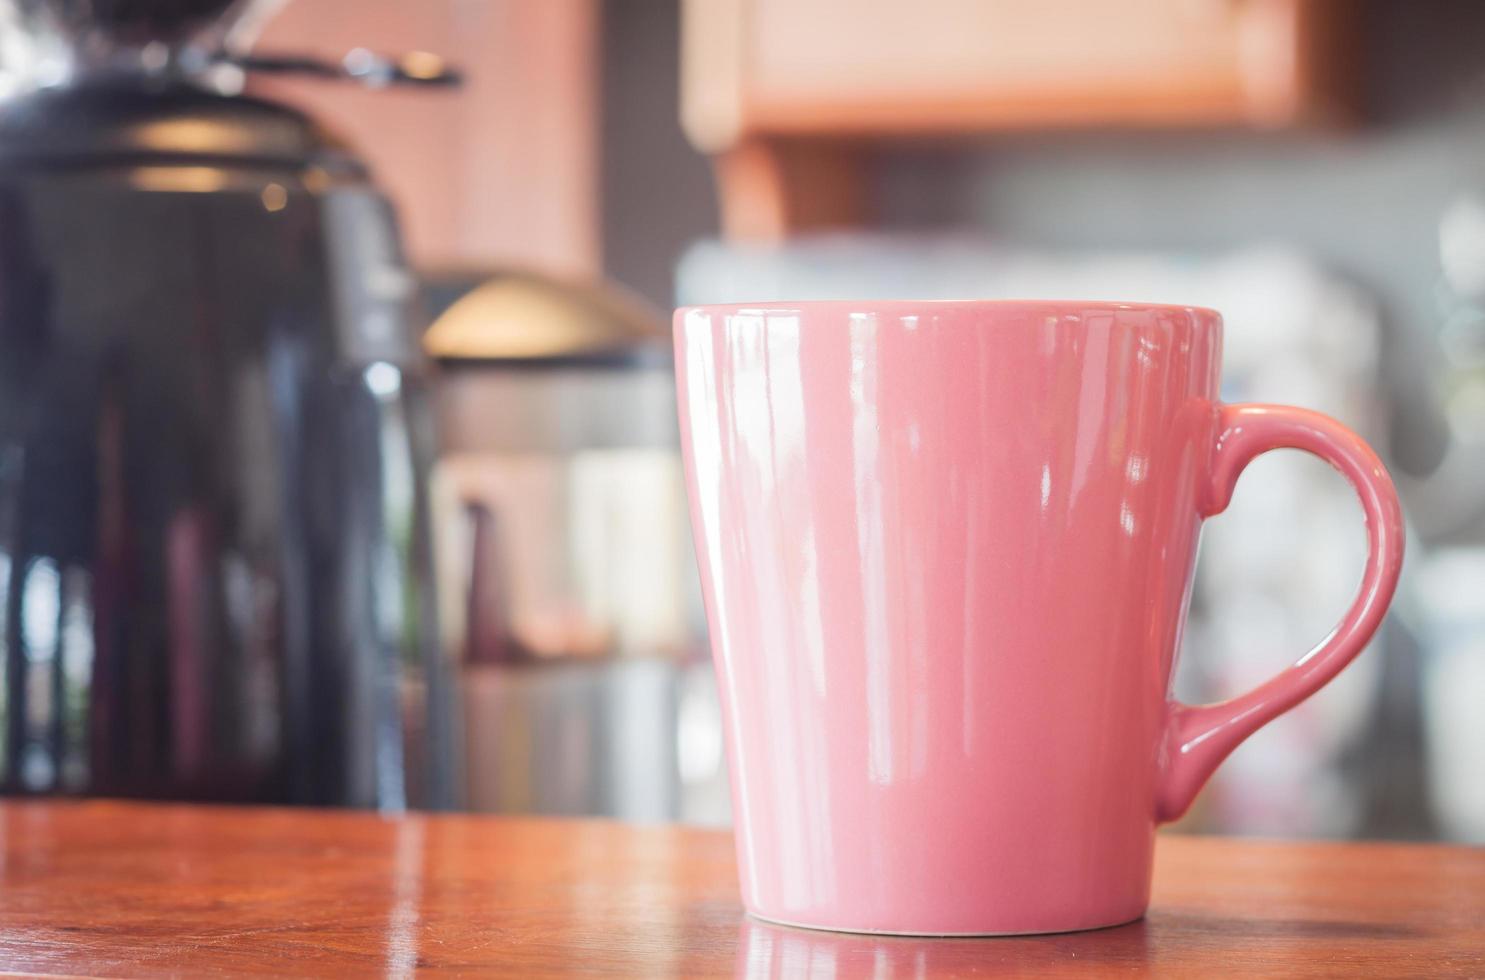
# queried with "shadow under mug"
point(946, 551)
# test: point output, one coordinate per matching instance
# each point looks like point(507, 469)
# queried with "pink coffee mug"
point(946, 550)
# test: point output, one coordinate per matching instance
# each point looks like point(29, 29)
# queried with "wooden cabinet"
point(773, 88)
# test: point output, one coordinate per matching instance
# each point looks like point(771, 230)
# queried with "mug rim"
point(905, 306)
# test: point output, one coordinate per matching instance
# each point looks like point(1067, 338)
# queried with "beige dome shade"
point(531, 316)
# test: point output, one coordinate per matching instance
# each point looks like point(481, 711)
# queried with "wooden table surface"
point(118, 889)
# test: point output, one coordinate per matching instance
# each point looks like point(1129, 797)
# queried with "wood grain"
point(111, 889)
point(771, 189)
point(788, 96)
point(885, 68)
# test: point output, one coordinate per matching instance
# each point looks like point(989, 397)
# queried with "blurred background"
point(338, 458)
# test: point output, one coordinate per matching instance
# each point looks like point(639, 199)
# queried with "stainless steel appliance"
point(215, 570)
point(586, 688)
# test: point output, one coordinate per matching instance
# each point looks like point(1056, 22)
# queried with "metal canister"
point(585, 677)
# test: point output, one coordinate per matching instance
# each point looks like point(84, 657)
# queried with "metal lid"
point(177, 123)
point(523, 319)
point(534, 363)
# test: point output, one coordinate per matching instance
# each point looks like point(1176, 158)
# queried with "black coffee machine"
point(216, 578)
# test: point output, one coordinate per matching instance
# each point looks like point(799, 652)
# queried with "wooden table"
point(128, 890)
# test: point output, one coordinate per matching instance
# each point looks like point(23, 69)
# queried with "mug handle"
point(1199, 737)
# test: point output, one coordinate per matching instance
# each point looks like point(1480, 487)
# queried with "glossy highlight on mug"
point(946, 551)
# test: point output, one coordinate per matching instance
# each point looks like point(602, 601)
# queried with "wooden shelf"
point(765, 81)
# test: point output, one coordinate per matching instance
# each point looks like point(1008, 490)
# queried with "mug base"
point(1121, 921)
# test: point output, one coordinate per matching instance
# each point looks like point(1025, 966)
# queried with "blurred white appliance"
point(1450, 598)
